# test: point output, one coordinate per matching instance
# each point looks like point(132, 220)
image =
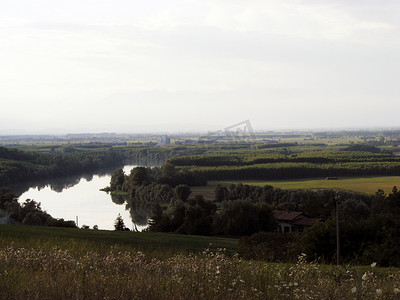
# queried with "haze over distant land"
point(157, 66)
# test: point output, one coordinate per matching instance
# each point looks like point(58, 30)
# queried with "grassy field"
point(157, 243)
point(368, 185)
point(56, 263)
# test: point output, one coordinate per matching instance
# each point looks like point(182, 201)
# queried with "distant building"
point(164, 140)
point(293, 221)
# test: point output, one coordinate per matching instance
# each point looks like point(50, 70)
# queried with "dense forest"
point(19, 166)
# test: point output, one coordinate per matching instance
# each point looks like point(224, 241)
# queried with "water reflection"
point(58, 184)
point(140, 213)
point(80, 196)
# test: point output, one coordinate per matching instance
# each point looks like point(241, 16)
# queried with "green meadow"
point(157, 244)
point(368, 185)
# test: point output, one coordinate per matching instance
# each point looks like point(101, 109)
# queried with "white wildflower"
point(373, 264)
point(353, 290)
point(365, 276)
point(379, 291)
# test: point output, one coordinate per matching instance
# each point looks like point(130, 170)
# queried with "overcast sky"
point(144, 66)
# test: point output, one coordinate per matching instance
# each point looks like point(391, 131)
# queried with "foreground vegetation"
point(44, 268)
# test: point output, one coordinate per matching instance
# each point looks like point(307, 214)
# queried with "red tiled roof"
point(282, 215)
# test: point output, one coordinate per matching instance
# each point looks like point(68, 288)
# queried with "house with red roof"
point(293, 221)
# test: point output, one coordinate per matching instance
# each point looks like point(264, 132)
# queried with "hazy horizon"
point(197, 132)
point(197, 66)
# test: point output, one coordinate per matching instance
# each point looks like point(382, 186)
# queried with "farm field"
point(368, 185)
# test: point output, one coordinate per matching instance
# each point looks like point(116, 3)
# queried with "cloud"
point(220, 61)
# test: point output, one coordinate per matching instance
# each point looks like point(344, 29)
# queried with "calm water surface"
point(83, 199)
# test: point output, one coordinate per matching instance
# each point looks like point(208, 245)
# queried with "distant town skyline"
point(197, 66)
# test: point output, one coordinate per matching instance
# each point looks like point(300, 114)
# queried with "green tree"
point(244, 218)
point(159, 221)
point(117, 180)
point(182, 192)
point(199, 215)
point(119, 223)
point(139, 176)
point(168, 170)
point(6, 197)
point(221, 193)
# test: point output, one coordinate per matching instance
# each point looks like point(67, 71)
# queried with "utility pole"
point(337, 231)
point(77, 221)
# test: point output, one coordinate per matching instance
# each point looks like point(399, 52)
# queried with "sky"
point(197, 65)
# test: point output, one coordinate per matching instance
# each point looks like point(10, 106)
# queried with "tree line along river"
point(81, 198)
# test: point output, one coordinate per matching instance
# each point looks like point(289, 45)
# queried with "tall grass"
point(43, 272)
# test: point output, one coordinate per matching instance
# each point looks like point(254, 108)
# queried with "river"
point(80, 197)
